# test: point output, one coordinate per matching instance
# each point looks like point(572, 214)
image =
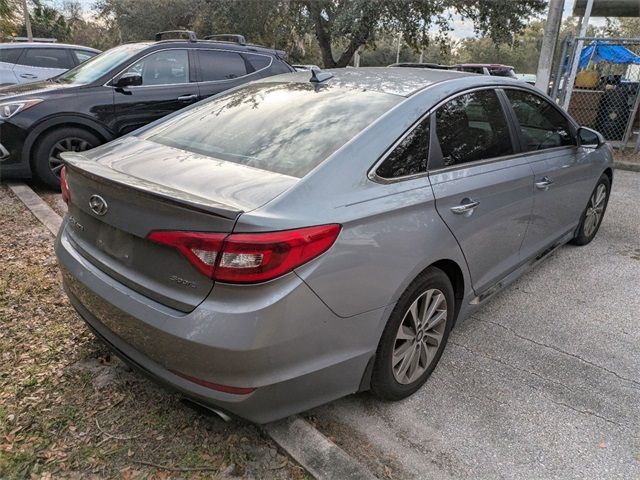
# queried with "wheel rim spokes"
point(595, 210)
point(72, 144)
point(419, 336)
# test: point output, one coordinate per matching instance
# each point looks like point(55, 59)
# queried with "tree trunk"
point(322, 34)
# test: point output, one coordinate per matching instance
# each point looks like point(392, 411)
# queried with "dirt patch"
point(626, 156)
point(70, 409)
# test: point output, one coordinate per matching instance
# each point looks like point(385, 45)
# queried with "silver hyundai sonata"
point(317, 234)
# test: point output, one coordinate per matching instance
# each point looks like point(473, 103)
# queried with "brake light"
point(250, 257)
point(64, 186)
point(200, 248)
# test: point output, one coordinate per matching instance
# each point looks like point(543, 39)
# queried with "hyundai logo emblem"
point(98, 205)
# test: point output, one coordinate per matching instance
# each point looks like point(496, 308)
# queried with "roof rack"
point(228, 37)
point(191, 36)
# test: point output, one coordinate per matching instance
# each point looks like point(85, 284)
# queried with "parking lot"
point(544, 382)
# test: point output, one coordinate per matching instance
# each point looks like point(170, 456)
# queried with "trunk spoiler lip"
point(96, 171)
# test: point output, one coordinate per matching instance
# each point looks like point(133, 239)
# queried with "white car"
point(33, 62)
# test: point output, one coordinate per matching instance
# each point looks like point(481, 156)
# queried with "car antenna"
point(318, 76)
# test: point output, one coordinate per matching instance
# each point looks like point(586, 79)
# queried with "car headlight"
point(9, 109)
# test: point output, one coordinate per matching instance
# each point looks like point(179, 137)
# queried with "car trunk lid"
point(117, 201)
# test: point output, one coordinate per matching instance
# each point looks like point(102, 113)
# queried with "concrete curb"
point(320, 457)
point(37, 206)
point(631, 166)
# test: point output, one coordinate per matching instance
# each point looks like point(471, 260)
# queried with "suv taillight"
point(249, 257)
point(64, 186)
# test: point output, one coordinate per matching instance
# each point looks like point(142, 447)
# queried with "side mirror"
point(589, 138)
point(128, 80)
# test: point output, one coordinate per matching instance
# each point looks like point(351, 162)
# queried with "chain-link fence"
point(605, 92)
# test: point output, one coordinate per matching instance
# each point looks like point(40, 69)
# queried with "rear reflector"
point(250, 257)
point(215, 386)
point(64, 186)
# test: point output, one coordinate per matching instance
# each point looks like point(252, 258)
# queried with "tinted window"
point(219, 65)
point(287, 128)
point(472, 127)
point(410, 156)
point(10, 55)
point(46, 58)
point(83, 55)
point(541, 124)
point(167, 67)
point(258, 62)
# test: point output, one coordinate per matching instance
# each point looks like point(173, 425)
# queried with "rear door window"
point(10, 55)
point(409, 157)
point(221, 65)
point(46, 58)
point(472, 127)
point(542, 126)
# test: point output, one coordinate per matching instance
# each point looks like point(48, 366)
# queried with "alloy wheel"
point(419, 336)
point(595, 209)
point(70, 144)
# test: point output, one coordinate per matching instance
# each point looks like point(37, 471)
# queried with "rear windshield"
point(287, 128)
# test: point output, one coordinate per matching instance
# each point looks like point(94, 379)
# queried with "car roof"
point(488, 65)
point(45, 45)
point(395, 81)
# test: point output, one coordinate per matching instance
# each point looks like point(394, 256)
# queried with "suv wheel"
point(415, 336)
point(46, 156)
point(594, 213)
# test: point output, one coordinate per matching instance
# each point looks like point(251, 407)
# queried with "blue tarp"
point(605, 52)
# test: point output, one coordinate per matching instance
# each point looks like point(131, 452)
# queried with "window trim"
point(434, 144)
point(372, 174)
point(573, 125)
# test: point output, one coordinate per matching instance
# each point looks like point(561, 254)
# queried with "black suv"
point(117, 92)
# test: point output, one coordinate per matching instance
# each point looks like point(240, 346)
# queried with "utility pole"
point(27, 21)
point(549, 40)
point(398, 51)
point(576, 56)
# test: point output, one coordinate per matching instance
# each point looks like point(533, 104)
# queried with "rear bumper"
point(278, 338)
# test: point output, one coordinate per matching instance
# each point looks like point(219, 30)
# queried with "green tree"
point(8, 18)
point(47, 21)
point(354, 22)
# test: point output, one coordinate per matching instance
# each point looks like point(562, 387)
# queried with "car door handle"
point(187, 98)
point(28, 75)
point(466, 207)
point(544, 184)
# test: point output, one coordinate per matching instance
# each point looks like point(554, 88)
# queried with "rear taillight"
point(64, 186)
point(250, 257)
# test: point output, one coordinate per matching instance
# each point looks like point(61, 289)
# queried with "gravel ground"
point(69, 409)
point(543, 382)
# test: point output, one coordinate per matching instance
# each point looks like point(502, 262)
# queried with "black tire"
point(585, 233)
point(383, 380)
point(79, 139)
